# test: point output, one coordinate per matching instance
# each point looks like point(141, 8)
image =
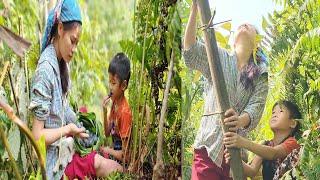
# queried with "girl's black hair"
point(63, 68)
point(120, 66)
point(294, 113)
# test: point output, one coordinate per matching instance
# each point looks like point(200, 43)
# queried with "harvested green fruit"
point(93, 127)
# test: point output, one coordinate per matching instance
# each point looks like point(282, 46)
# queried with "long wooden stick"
point(4, 72)
point(158, 168)
point(23, 127)
point(13, 92)
point(219, 82)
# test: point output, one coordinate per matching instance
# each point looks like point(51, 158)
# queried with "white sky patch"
point(243, 11)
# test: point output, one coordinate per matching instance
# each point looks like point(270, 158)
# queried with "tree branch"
point(159, 167)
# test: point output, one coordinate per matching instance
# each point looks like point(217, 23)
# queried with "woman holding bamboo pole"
point(247, 87)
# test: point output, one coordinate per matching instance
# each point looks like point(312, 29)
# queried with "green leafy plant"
point(93, 127)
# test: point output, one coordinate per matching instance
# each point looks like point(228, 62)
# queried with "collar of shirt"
point(50, 51)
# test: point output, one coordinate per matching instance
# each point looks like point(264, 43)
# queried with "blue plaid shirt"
point(48, 103)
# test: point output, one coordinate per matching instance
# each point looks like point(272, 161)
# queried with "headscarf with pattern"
point(64, 11)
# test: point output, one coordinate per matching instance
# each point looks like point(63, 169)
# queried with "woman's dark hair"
point(294, 113)
point(249, 72)
point(64, 74)
point(120, 66)
point(252, 69)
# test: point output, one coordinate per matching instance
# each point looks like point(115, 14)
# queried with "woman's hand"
point(75, 131)
point(233, 140)
point(227, 156)
point(232, 120)
point(106, 149)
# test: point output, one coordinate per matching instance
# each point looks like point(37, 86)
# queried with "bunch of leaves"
point(309, 158)
point(157, 32)
point(93, 127)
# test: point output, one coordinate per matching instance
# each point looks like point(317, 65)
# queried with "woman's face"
point(245, 34)
point(68, 40)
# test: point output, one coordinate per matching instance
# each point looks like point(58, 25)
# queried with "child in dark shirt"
point(285, 123)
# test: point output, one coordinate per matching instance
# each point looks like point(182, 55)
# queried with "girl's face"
point(116, 87)
point(245, 34)
point(281, 120)
point(68, 41)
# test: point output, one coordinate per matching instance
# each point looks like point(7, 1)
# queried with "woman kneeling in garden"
point(53, 117)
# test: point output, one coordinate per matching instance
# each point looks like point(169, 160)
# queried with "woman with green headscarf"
point(53, 117)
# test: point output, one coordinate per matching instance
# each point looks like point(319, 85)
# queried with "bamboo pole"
point(218, 80)
point(159, 167)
